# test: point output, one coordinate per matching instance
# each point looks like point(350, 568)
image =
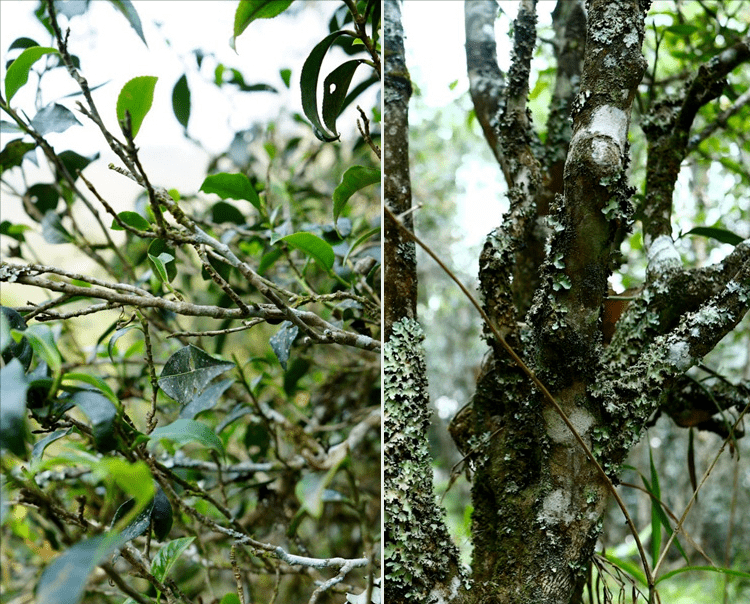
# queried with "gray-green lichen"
point(419, 554)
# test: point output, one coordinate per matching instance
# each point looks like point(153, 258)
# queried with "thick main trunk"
point(538, 499)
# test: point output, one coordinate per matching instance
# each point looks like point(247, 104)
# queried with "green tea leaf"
point(187, 373)
point(13, 153)
point(18, 72)
point(13, 387)
point(132, 219)
point(54, 118)
point(313, 246)
point(168, 555)
point(335, 87)
point(38, 451)
point(309, 86)
point(722, 235)
point(181, 101)
point(354, 179)
point(136, 98)
point(250, 10)
point(64, 581)
point(231, 186)
point(102, 414)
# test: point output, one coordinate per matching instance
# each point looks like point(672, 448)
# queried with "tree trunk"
point(544, 463)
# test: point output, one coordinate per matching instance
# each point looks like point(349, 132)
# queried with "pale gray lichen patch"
point(556, 508)
point(558, 430)
point(678, 355)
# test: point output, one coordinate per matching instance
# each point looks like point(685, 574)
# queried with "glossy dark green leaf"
point(11, 349)
point(132, 219)
point(13, 153)
point(250, 10)
point(181, 101)
point(128, 10)
point(188, 430)
point(64, 581)
point(13, 387)
point(222, 211)
point(54, 118)
point(719, 234)
point(136, 98)
point(187, 373)
point(335, 87)
point(231, 186)
point(18, 72)
point(102, 414)
point(23, 43)
point(309, 86)
point(312, 246)
point(53, 231)
point(42, 196)
point(206, 399)
point(354, 179)
point(281, 342)
point(374, 6)
point(138, 525)
point(161, 514)
point(74, 162)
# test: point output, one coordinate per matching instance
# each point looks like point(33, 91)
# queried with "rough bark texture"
point(538, 499)
point(421, 564)
point(400, 258)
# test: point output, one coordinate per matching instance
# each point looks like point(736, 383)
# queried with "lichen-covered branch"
point(506, 277)
point(486, 80)
point(596, 205)
point(569, 24)
point(421, 563)
point(632, 395)
point(663, 302)
point(667, 129)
